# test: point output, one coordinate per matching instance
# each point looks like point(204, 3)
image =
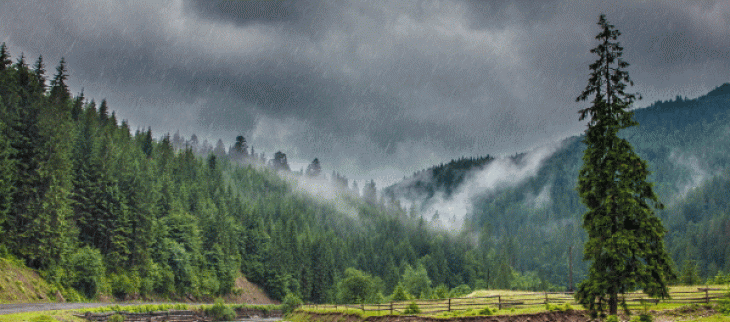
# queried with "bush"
point(723, 306)
point(43, 318)
point(356, 287)
point(400, 294)
point(116, 318)
point(612, 318)
point(441, 292)
point(487, 311)
point(88, 264)
point(559, 308)
point(460, 290)
point(291, 302)
point(124, 284)
point(220, 311)
point(643, 317)
point(412, 309)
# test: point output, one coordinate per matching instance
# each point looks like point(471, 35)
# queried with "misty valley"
point(101, 210)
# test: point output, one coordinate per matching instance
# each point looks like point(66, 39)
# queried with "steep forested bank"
point(100, 210)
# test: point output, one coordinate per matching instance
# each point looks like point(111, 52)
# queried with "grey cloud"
point(366, 85)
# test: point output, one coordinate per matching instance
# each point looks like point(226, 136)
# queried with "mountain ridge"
point(684, 140)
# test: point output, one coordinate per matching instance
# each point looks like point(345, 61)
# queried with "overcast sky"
point(374, 89)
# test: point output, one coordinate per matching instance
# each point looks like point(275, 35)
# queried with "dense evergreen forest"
point(686, 144)
point(101, 210)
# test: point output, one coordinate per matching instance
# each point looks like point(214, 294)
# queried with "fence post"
point(362, 307)
point(499, 301)
point(391, 308)
point(546, 298)
point(707, 295)
point(449, 304)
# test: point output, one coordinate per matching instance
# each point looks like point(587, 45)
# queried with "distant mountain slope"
point(686, 143)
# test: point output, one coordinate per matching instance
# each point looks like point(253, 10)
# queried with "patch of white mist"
point(541, 200)
point(502, 172)
point(697, 173)
point(323, 190)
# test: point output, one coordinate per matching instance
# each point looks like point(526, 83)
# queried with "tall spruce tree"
point(625, 237)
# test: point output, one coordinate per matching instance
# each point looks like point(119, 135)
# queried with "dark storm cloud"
point(371, 88)
point(245, 12)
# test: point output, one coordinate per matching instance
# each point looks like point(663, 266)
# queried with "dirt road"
point(33, 307)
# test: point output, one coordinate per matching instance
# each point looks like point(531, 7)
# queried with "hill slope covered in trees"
point(538, 219)
point(100, 210)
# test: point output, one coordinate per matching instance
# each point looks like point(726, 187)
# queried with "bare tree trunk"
point(613, 304)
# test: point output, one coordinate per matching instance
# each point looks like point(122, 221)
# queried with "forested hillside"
point(100, 210)
point(686, 144)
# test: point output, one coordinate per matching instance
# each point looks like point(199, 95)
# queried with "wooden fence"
point(522, 300)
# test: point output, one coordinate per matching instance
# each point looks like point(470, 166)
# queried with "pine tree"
point(240, 148)
point(625, 237)
point(370, 193)
point(314, 169)
point(59, 89)
point(4, 57)
point(39, 71)
point(7, 174)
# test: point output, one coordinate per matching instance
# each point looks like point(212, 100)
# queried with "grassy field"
point(68, 315)
point(508, 302)
point(45, 316)
point(19, 284)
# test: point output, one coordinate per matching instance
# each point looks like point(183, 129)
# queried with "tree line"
point(99, 209)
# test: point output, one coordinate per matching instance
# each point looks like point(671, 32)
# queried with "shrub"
point(43, 318)
point(441, 292)
point(723, 305)
point(220, 311)
point(487, 311)
point(412, 309)
point(612, 318)
point(400, 294)
point(125, 283)
point(559, 308)
point(460, 290)
point(291, 302)
point(643, 317)
point(88, 264)
point(116, 318)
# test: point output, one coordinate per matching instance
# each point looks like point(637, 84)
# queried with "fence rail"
point(521, 300)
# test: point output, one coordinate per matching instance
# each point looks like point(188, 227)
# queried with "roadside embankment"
point(573, 316)
point(178, 315)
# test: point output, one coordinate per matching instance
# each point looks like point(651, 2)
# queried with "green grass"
point(714, 318)
point(45, 316)
point(530, 303)
point(144, 308)
point(68, 315)
point(147, 308)
point(20, 284)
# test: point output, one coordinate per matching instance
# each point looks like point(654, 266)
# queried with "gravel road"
point(32, 307)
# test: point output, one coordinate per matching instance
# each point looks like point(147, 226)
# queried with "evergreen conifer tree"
point(314, 169)
point(39, 72)
point(625, 237)
point(4, 57)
